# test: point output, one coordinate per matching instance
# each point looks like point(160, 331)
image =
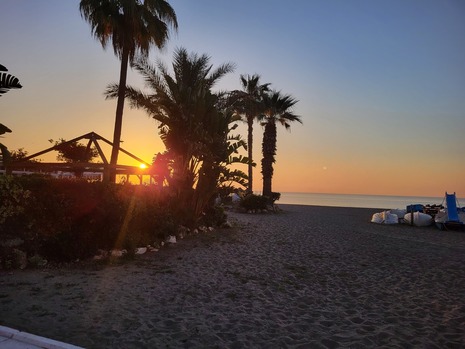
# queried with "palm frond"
point(4, 129)
point(235, 146)
point(239, 160)
point(220, 72)
point(7, 82)
point(112, 22)
point(233, 176)
point(111, 91)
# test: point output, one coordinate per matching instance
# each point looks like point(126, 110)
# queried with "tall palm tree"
point(249, 104)
point(182, 103)
point(192, 124)
point(132, 27)
point(277, 108)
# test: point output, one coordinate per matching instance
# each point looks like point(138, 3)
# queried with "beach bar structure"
point(93, 170)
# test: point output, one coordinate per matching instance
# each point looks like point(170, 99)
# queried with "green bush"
point(65, 220)
point(254, 202)
point(275, 196)
point(12, 198)
point(214, 216)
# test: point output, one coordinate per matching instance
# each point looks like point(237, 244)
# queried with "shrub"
point(214, 216)
point(275, 196)
point(12, 198)
point(64, 220)
point(254, 202)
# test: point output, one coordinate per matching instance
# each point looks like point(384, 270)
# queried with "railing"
point(89, 171)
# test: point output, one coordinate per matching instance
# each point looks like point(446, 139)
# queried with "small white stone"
point(227, 224)
point(141, 250)
point(116, 253)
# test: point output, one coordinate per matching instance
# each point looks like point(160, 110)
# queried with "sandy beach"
point(307, 277)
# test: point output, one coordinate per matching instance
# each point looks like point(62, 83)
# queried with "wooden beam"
point(93, 138)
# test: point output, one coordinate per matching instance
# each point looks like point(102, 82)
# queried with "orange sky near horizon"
point(381, 87)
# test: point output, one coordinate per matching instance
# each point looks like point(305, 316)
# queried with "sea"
point(357, 200)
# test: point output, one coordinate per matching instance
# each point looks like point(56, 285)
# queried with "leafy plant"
point(193, 123)
point(275, 196)
point(65, 220)
point(73, 151)
point(7, 81)
point(20, 154)
point(252, 202)
point(12, 198)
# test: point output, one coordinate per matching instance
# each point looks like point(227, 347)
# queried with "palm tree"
point(133, 27)
point(182, 104)
point(192, 124)
point(249, 104)
point(7, 82)
point(277, 108)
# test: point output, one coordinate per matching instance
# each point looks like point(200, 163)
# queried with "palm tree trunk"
point(250, 152)
point(269, 152)
point(206, 186)
point(5, 158)
point(111, 175)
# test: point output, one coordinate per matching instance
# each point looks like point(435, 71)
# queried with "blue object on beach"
point(452, 213)
point(450, 218)
point(415, 208)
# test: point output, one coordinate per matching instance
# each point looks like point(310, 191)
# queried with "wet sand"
point(307, 277)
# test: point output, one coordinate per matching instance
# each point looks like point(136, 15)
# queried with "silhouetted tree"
point(133, 27)
point(73, 151)
point(7, 82)
point(277, 108)
point(193, 121)
point(248, 104)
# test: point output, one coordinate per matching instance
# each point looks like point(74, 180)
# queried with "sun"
point(143, 166)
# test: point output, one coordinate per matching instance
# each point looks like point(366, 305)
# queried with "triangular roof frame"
point(93, 140)
point(25, 165)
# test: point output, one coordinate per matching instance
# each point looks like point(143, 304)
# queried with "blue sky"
point(380, 84)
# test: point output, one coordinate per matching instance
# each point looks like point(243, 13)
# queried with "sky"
point(380, 85)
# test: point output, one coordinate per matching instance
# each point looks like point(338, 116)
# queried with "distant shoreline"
point(357, 200)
